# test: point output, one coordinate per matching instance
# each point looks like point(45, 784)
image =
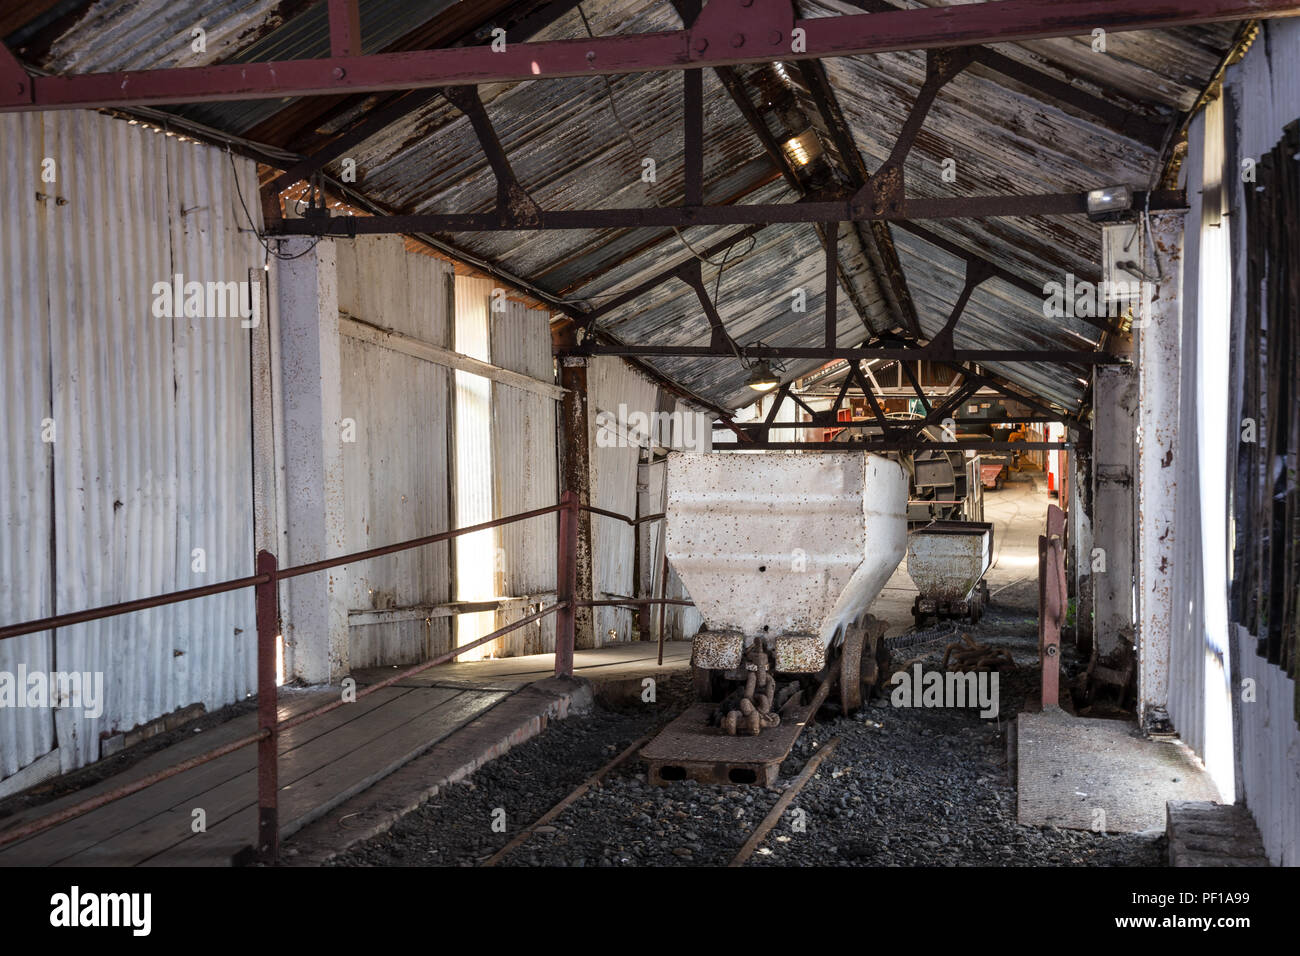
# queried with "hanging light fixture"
point(761, 378)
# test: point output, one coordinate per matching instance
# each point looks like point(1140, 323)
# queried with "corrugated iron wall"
point(611, 382)
point(395, 482)
point(526, 474)
point(152, 415)
point(26, 467)
point(1197, 651)
point(680, 621)
point(1263, 93)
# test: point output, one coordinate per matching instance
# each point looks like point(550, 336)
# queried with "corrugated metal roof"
point(570, 151)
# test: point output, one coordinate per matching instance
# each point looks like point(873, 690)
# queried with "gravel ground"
point(905, 787)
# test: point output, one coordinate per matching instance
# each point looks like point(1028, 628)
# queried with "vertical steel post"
point(663, 593)
point(1051, 604)
point(566, 584)
point(268, 821)
point(831, 307)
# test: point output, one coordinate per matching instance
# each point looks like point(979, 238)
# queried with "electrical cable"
point(253, 226)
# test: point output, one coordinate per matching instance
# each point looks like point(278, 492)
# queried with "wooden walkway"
point(323, 763)
point(616, 662)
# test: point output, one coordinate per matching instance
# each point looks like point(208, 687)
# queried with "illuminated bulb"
point(795, 148)
point(761, 378)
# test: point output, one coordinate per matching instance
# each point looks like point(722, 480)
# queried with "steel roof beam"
point(514, 205)
point(727, 32)
point(1049, 356)
point(345, 28)
point(891, 444)
point(667, 217)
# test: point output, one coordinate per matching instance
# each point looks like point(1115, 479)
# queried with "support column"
point(575, 455)
point(316, 624)
point(1080, 509)
point(1114, 543)
point(1158, 351)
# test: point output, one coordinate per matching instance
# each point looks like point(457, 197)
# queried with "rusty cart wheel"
point(875, 656)
point(918, 616)
point(851, 669)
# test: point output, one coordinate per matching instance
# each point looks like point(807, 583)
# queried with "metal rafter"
point(727, 32)
point(514, 205)
point(1121, 120)
point(852, 353)
point(345, 28)
point(880, 247)
point(667, 217)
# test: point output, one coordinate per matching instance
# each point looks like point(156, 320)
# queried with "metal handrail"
point(266, 581)
point(125, 790)
point(624, 518)
point(235, 584)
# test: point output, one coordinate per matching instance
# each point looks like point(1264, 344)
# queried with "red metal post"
point(345, 28)
point(268, 817)
point(566, 584)
point(1051, 604)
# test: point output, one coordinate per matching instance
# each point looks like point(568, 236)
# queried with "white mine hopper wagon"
point(787, 552)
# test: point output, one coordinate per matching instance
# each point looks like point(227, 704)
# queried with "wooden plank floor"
point(322, 763)
point(614, 662)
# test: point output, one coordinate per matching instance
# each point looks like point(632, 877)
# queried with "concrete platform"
point(1100, 774)
point(451, 719)
point(1212, 834)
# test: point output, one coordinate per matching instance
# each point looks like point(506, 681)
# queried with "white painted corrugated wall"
point(1199, 695)
point(680, 621)
point(26, 465)
point(611, 382)
point(1265, 91)
point(152, 416)
point(526, 476)
point(395, 480)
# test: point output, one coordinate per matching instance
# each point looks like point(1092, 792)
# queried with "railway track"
point(756, 838)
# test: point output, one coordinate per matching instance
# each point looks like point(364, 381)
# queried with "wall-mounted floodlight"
point(1106, 203)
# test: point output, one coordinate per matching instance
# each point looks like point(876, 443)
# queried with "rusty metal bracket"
point(977, 271)
point(882, 195)
point(691, 273)
point(514, 206)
